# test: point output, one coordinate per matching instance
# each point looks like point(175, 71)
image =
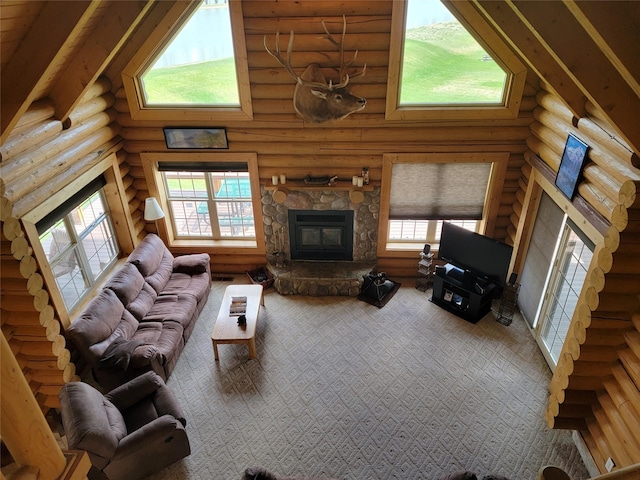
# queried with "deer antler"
point(340, 46)
point(287, 63)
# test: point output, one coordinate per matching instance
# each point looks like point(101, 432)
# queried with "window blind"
point(203, 167)
point(431, 191)
point(544, 237)
point(76, 199)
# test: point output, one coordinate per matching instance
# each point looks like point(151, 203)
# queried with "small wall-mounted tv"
point(482, 256)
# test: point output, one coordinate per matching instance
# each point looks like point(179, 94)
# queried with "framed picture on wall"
point(571, 164)
point(199, 138)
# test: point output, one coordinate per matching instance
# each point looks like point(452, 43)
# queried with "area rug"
point(339, 389)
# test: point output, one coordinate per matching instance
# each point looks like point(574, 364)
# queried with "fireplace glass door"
point(321, 235)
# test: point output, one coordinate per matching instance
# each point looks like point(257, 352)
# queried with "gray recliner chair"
point(132, 431)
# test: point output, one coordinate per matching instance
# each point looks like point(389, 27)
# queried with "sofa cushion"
point(148, 254)
point(160, 277)
point(144, 302)
point(196, 285)
point(180, 308)
point(163, 340)
point(126, 283)
point(125, 330)
point(99, 320)
point(191, 264)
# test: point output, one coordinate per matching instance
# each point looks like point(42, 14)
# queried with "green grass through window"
point(443, 64)
point(205, 83)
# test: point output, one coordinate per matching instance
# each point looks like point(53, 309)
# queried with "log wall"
point(595, 387)
point(39, 158)
point(286, 145)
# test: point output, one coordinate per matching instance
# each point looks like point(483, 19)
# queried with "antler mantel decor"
point(314, 99)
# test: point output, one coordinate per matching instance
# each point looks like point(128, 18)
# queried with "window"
point(420, 191)
point(80, 244)
point(424, 231)
point(440, 68)
point(200, 67)
point(209, 204)
point(442, 62)
point(570, 271)
point(423, 195)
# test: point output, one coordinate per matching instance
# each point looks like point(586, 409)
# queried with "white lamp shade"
point(152, 210)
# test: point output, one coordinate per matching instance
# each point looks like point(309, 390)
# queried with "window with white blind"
point(426, 190)
point(434, 191)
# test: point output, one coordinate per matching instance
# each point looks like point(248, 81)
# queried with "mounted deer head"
point(314, 99)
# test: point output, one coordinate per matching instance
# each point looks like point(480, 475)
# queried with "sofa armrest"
point(166, 403)
point(191, 264)
point(135, 390)
point(157, 432)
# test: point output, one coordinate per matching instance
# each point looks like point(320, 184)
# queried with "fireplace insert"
point(321, 234)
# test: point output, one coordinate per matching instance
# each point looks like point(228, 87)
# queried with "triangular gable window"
point(198, 67)
point(440, 68)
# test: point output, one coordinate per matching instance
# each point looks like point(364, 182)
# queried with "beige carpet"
point(341, 388)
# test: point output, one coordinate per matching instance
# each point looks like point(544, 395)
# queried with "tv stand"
point(462, 293)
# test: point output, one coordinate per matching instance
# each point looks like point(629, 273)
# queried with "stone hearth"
point(320, 278)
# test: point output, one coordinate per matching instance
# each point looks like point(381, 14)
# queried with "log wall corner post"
point(24, 428)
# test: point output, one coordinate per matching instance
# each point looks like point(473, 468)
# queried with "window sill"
point(223, 244)
point(402, 249)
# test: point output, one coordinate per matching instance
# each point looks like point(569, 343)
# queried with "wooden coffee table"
point(227, 330)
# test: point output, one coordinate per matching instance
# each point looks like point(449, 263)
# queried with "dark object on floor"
point(460, 476)
point(260, 276)
point(258, 473)
point(377, 289)
point(471, 476)
point(129, 433)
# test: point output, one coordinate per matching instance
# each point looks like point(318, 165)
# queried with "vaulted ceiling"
point(585, 51)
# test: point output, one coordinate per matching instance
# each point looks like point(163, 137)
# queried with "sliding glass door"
point(553, 273)
point(561, 298)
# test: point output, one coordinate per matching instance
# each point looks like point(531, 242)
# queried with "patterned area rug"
point(343, 389)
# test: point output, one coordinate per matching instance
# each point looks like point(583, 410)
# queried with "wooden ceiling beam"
point(94, 56)
point(161, 13)
point(517, 34)
point(581, 58)
point(37, 55)
point(614, 27)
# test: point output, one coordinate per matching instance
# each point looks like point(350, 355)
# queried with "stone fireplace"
point(324, 221)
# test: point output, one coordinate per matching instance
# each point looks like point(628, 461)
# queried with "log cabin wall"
point(595, 386)
point(40, 158)
point(286, 145)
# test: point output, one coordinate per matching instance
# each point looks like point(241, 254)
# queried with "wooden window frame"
point(153, 175)
point(467, 15)
point(121, 219)
point(155, 44)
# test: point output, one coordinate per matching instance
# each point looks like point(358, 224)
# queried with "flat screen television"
point(475, 253)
